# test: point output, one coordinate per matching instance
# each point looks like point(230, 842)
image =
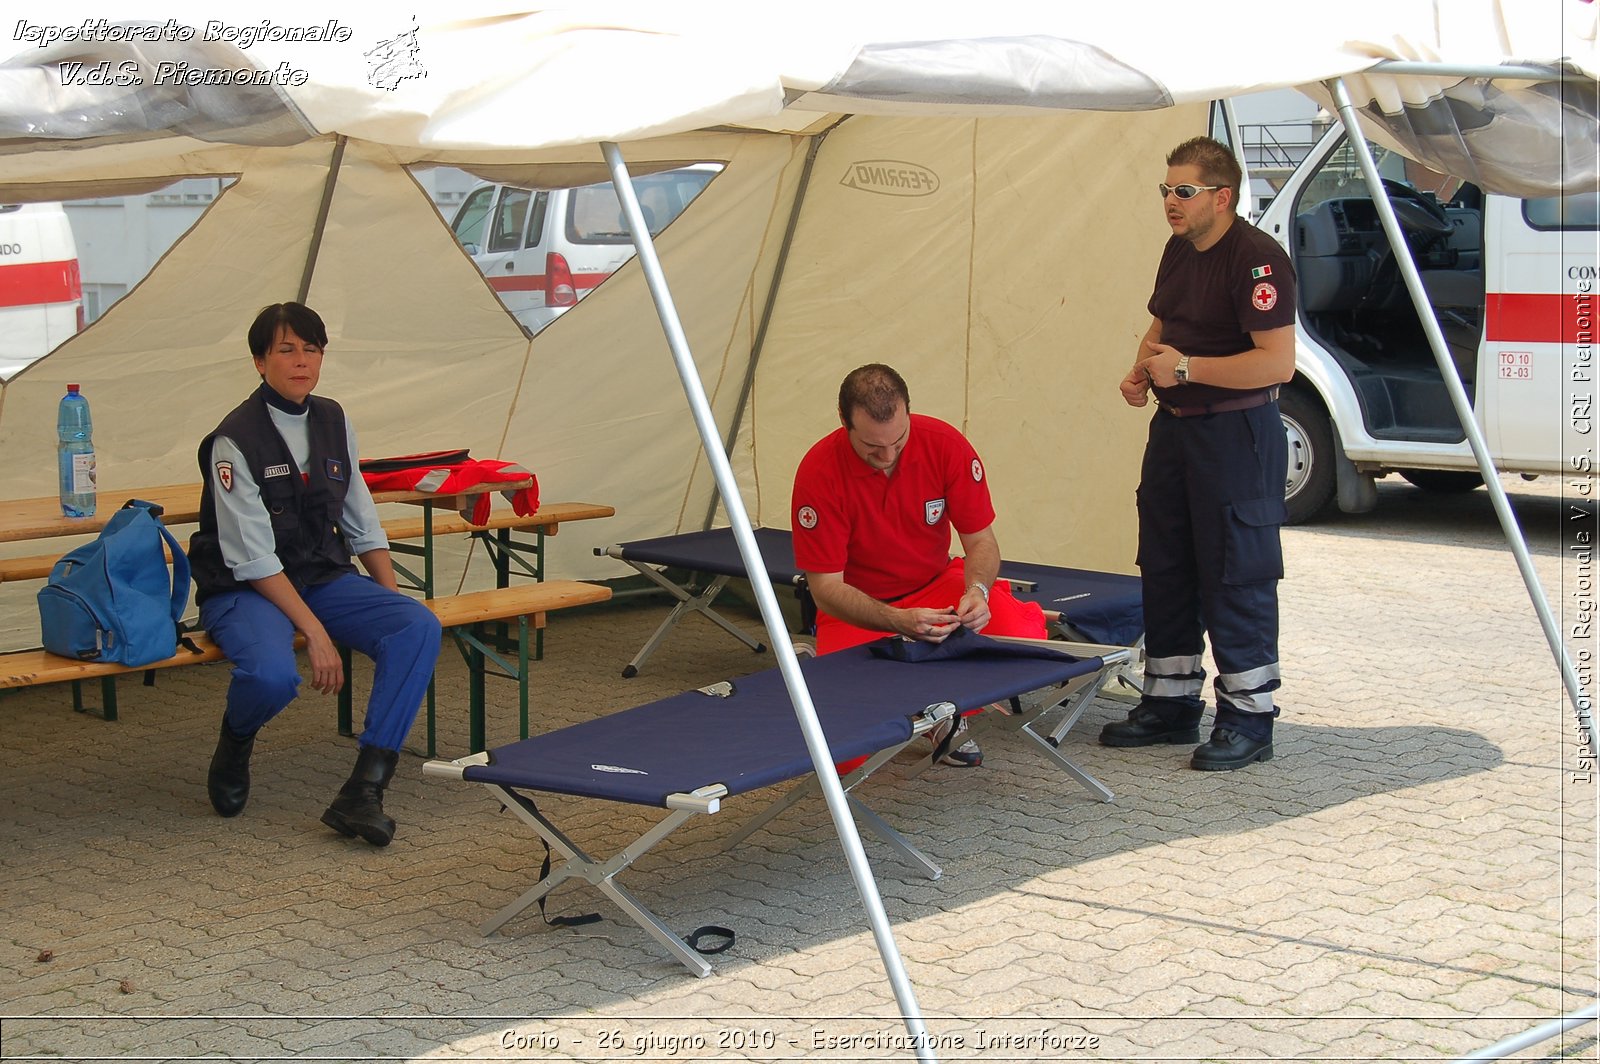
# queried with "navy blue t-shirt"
point(1209, 302)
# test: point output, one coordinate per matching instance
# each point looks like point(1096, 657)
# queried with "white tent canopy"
point(982, 219)
point(1010, 290)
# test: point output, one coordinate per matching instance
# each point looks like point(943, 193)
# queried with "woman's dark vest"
point(304, 511)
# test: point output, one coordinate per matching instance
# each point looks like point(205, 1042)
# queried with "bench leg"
point(430, 722)
point(475, 711)
point(522, 669)
point(347, 727)
point(108, 698)
point(477, 645)
point(503, 548)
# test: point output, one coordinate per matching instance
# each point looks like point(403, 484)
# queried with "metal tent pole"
point(783, 650)
point(1518, 1042)
point(1458, 394)
point(321, 225)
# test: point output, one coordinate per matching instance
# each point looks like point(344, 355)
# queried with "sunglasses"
point(1186, 191)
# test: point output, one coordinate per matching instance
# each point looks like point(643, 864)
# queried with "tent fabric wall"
point(600, 412)
point(1011, 298)
point(421, 352)
point(1005, 298)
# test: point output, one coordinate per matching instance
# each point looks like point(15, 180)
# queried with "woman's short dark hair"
point(875, 388)
point(301, 320)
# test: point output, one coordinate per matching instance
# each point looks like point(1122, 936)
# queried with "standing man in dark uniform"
point(1211, 487)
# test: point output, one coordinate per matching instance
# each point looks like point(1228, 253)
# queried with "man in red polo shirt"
point(874, 503)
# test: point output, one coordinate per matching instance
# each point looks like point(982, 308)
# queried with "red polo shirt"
point(889, 535)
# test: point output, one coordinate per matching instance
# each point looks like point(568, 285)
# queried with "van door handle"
point(510, 263)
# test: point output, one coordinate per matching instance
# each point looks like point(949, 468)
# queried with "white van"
point(542, 251)
point(41, 293)
point(1513, 284)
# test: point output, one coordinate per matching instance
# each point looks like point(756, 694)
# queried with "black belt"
point(1244, 402)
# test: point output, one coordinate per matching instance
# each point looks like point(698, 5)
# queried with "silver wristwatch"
point(1181, 370)
point(983, 589)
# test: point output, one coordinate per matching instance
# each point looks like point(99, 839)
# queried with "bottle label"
point(83, 473)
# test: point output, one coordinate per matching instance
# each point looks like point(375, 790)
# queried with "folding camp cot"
point(1093, 607)
point(688, 752)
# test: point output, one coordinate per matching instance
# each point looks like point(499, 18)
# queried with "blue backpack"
point(115, 600)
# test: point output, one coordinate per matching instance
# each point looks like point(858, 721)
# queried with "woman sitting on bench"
point(282, 512)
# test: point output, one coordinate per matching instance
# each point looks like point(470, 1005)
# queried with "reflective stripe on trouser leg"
point(1179, 676)
point(1248, 692)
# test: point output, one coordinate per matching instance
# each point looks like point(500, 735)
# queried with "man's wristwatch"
point(1181, 370)
point(983, 589)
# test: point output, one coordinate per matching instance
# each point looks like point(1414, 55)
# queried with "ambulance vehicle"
point(41, 295)
point(1513, 285)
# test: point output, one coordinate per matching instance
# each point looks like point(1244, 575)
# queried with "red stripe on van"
point(1538, 318)
point(29, 283)
point(534, 282)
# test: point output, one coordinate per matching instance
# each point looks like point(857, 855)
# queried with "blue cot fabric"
point(1105, 607)
point(963, 643)
point(716, 551)
point(752, 739)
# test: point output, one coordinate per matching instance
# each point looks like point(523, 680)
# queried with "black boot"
point(1153, 722)
point(358, 810)
point(1239, 739)
point(228, 782)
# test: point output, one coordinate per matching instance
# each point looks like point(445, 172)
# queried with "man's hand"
point(926, 625)
point(1135, 387)
point(973, 610)
point(1161, 366)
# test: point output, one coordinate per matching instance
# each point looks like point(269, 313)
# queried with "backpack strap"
point(180, 567)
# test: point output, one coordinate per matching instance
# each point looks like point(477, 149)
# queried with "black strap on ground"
point(544, 870)
point(715, 930)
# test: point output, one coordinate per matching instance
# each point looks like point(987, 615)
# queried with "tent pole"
point(321, 226)
point(782, 648)
point(766, 311)
point(1545, 1031)
point(1459, 400)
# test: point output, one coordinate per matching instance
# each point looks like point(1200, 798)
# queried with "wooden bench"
point(468, 619)
point(38, 566)
point(463, 617)
point(546, 521)
point(498, 539)
point(548, 518)
point(35, 567)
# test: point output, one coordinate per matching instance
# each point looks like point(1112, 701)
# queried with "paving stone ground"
point(1412, 878)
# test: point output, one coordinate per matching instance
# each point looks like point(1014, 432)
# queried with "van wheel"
point(1310, 487)
point(1448, 481)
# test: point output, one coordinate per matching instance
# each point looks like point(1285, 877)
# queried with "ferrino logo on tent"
point(889, 177)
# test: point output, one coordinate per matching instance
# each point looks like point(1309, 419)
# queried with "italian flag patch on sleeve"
point(1260, 272)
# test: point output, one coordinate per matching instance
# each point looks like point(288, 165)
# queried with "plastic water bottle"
point(75, 454)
